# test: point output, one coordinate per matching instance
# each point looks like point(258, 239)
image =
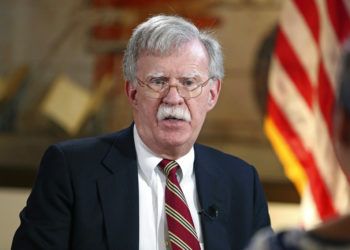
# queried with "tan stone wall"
point(51, 37)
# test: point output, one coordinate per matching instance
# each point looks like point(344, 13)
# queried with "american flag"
point(302, 89)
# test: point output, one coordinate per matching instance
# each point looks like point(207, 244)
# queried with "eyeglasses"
point(158, 87)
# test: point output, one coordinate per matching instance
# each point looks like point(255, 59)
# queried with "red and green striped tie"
point(182, 234)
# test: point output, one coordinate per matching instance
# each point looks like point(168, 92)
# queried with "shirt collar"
point(148, 160)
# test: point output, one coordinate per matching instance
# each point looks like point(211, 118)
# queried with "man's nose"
point(173, 96)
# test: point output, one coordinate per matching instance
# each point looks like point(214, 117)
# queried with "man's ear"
point(131, 91)
point(214, 92)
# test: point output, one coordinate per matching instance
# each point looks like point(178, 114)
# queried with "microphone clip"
point(211, 212)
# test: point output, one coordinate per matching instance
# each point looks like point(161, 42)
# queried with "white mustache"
point(177, 112)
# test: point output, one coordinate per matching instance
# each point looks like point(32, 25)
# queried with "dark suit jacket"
point(86, 197)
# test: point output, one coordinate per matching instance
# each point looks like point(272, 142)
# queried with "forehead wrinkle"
point(155, 74)
point(191, 74)
point(187, 72)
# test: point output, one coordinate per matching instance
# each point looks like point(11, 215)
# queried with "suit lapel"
point(211, 194)
point(119, 194)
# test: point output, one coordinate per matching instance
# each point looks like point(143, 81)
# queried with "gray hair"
point(161, 35)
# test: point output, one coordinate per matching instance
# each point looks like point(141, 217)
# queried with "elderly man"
point(150, 186)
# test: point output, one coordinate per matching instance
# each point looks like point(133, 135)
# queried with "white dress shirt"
point(152, 220)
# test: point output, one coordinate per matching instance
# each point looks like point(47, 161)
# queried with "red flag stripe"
point(326, 98)
point(309, 11)
point(339, 18)
point(319, 190)
point(292, 66)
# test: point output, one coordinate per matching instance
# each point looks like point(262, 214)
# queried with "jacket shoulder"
point(89, 153)
point(222, 158)
point(94, 144)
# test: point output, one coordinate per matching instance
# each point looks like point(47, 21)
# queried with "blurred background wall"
point(60, 78)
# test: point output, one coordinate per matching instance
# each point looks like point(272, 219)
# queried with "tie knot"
point(169, 167)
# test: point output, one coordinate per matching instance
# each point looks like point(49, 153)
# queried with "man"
point(122, 191)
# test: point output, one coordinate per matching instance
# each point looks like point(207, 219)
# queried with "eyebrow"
point(186, 75)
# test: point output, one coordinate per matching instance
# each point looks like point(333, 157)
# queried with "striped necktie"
point(182, 234)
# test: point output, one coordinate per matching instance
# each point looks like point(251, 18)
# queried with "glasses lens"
point(186, 93)
point(154, 94)
point(155, 91)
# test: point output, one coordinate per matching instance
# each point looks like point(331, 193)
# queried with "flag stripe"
point(309, 215)
point(302, 87)
point(301, 39)
point(330, 48)
point(307, 124)
point(340, 25)
point(321, 194)
point(289, 100)
point(327, 68)
point(294, 171)
point(339, 18)
point(326, 98)
point(310, 13)
point(294, 69)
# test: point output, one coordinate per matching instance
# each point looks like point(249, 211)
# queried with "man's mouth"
point(173, 118)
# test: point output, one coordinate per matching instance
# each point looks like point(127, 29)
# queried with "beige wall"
point(12, 201)
point(51, 48)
